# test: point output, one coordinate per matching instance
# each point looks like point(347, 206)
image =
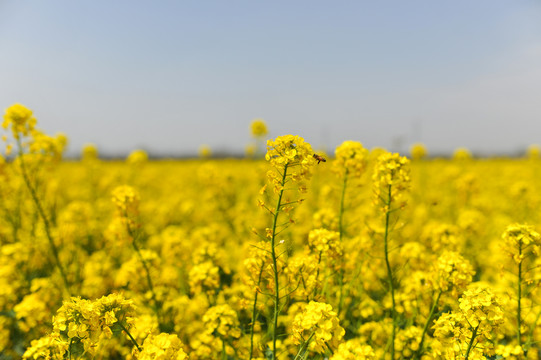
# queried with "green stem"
point(130, 336)
point(389, 270)
point(341, 231)
point(41, 213)
point(147, 272)
point(473, 335)
point(317, 275)
point(304, 346)
point(530, 334)
point(275, 264)
point(425, 328)
point(519, 295)
point(254, 314)
point(224, 353)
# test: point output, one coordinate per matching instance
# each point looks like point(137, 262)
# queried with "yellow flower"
point(20, 119)
point(520, 241)
point(289, 150)
point(205, 151)
point(162, 347)
point(454, 271)
point(292, 155)
point(351, 157)
point(204, 277)
point(319, 325)
point(89, 152)
point(325, 242)
point(137, 157)
point(391, 179)
point(50, 347)
point(354, 350)
point(126, 198)
point(222, 321)
point(462, 154)
point(418, 151)
point(477, 320)
point(258, 128)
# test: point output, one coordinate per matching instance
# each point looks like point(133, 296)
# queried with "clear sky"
point(168, 76)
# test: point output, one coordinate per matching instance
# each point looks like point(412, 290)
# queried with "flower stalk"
point(42, 215)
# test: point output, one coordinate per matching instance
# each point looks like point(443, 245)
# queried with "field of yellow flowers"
point(353, 255)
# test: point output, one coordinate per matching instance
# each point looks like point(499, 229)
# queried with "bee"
point(319, 158)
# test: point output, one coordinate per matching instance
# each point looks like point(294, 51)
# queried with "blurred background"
point(169, 76)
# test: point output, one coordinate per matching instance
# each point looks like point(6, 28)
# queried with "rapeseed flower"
point(317, 326)
point(418, 151)
point(351, 158)
point(391, 179)
point(162, 347)
point(258, 128)
point(20, 120)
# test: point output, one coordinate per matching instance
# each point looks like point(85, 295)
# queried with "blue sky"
point(168, 76)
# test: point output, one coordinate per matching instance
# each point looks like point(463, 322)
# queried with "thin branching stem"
point(341, 232)
point(275, 265)
point(130, 336)
point(470, 346)
point(427, 323)
point(44, 218)
point(389, 270)
point(254, 311)
point(132, 234)
point(519, 297)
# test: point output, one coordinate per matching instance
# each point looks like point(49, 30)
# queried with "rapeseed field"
point(289, 253)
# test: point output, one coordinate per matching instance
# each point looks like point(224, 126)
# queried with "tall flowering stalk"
point(291, 159)
point(521, 242)
point(126, 200)
point(38, 148)
point(351, 160)
point(80, 325)
point(471, 330)
point(258, 129)
point(391, 180)
point(453, 275)
point(258, 270)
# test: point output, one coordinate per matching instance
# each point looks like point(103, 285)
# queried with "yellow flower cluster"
point(290, 150)
point(204, 277)
point(81, 321)
point(126, 199)
point(462, 154)
point(481, 305)
point(318, 325)
point(454, 272)
point(354, 350)
point(476, 321)
point(20, 119)
point(418, 151)
point(39, 146)
point(407, 342)
point(222, 321)
point(208, 276)
point(325, 242)
point(521, 240)
point(137, 157)
point(89, 152)
point(391, 179)
point(351, 158)
point(162, 347)
point(258, 128)
point(50, 347)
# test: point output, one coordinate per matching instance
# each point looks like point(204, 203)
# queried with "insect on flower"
point(319, 158)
